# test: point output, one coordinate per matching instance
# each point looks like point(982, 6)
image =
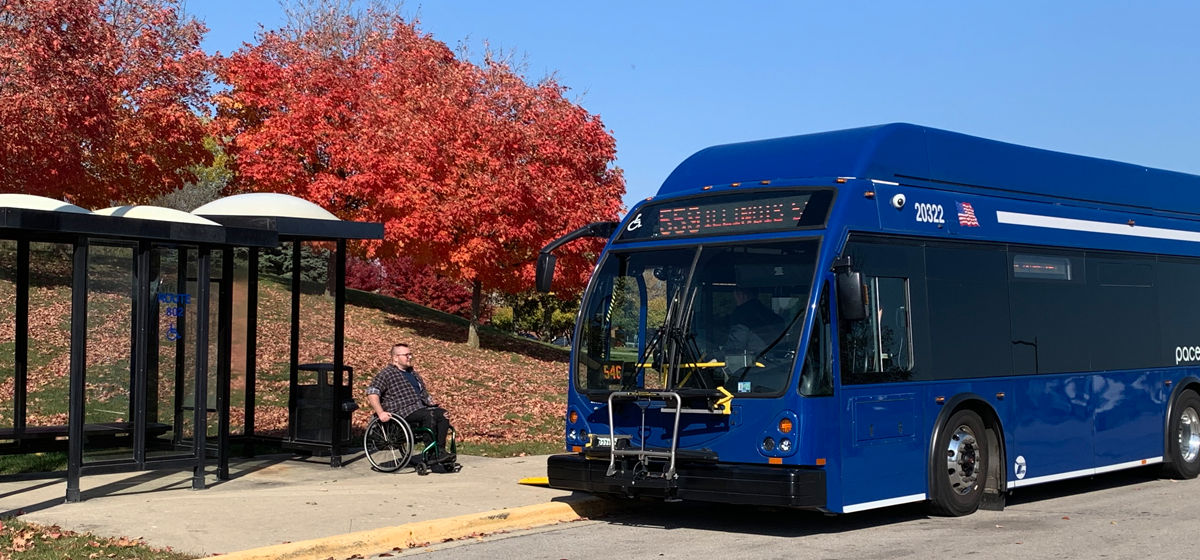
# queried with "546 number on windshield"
point(930, 213)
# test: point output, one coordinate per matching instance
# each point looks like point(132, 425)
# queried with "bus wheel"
point(1184, 437)
point(960, 465)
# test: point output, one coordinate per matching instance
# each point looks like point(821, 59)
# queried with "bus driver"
point(752, 325)
point(398, 389)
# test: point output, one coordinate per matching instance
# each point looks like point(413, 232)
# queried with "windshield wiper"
point(774, 343)
point(641, 363)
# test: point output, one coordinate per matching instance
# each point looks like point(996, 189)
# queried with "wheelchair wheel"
point(422, 469)
point(388, 445)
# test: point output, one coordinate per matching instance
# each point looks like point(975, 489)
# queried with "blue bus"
point(869, 317)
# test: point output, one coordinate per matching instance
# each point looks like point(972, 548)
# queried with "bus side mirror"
point(852, 303)
point(545, 272)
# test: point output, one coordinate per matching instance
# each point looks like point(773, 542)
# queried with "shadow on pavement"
point(782, 522)
point(242, 467)
point(1084, 485)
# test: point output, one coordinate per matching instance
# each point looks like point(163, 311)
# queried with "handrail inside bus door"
point(642, 316)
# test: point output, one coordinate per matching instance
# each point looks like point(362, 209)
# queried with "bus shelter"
point(123, 301)
point(316, 417)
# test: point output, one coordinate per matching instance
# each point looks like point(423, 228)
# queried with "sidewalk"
point(273, 500)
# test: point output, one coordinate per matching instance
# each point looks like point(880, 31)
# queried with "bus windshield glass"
point(699, 317)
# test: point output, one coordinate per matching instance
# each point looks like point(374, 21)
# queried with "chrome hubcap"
point(962, 457)
point(1189, 434)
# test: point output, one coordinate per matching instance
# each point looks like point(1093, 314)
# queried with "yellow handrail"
point(700, 365)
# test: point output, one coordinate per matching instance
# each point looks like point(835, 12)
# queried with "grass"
point(33, 462)
point(516, 449)
point(19, 539)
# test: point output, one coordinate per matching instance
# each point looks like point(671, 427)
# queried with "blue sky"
point(1116, 80)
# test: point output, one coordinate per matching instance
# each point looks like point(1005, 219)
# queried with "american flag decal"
point(966, 215)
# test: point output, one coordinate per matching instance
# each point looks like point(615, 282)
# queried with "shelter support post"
point(21, 337)
point(251, 348)
point(294, 379)
point(142, 347)
point(224, 347)
point(77, 394)
point(339, 335)
point(153, 377)
point(200, 422)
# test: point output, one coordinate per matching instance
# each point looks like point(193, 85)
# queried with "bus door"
point(882, 417)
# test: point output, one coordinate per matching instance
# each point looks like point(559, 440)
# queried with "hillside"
point(510, 390)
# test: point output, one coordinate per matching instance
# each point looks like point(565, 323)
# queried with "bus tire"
point(1183, 437)
point(960, 465)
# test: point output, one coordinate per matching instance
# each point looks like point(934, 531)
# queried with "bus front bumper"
point(721, 482)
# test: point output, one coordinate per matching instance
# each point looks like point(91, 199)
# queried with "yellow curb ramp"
point(376, 541)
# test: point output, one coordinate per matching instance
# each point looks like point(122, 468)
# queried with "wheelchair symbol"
point(635, 224)
point(172, 333)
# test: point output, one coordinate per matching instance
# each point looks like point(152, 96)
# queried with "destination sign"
point(730, 214)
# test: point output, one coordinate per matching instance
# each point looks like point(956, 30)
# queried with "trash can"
point(317, 405)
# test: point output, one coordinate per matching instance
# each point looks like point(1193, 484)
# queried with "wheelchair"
point(392, 445)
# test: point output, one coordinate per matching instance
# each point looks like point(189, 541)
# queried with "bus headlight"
point(572, 434)
point(785, 445)
point(769, 444)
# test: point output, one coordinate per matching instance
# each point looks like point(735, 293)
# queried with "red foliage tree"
point(100, 100)
point(471, 169)
point(400, 277)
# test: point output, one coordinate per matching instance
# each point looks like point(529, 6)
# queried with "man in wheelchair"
point(398, 390)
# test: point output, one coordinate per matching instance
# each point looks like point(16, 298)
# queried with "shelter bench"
point(31, 439)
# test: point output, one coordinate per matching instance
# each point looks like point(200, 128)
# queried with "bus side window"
point(816, 376)
point(878, 349)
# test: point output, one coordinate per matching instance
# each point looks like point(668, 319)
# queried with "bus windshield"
point(698, 317)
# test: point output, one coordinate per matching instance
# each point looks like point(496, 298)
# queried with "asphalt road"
point(1129, 514)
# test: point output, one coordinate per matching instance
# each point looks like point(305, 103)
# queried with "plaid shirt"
point(396, 394)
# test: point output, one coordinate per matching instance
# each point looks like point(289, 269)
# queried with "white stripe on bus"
point(883, 503)
point(1084, 472)
point(1129, 465)
point(1034, 220)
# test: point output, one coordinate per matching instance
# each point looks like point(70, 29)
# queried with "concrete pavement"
point(1128, 514)
point(274, 500)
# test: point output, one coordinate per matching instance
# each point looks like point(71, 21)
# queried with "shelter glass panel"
point(8, 311)
point(48, 383)
point(239, 341)
point(110, 327)
point(310, 420)
point(272, 340)
point(172, 338)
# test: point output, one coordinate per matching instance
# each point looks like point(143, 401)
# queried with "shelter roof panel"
point(50, 224)
point(34, 202)
point(265, 204)
point(156, 213)
point(304, 228)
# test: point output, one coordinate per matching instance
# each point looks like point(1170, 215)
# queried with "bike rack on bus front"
point(643, 397)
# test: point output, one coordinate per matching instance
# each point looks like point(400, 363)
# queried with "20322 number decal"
point(930, 213)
